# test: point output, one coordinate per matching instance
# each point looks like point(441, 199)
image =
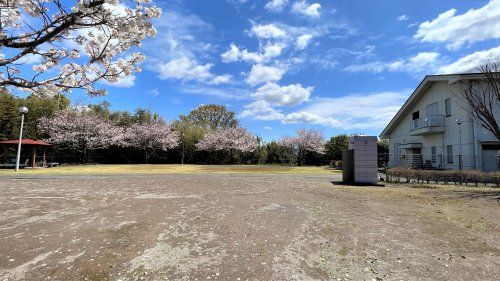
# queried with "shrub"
point(423, 186)
point(495, 177)
point(407, 175)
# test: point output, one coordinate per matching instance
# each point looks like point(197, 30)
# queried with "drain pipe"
point(475, 144)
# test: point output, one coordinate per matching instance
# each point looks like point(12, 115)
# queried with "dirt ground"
point(243, 227)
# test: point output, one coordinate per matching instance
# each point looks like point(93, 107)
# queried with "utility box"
point(363, 149)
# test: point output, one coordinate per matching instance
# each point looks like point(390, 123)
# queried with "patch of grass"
point(171, 169)
point(449, 194)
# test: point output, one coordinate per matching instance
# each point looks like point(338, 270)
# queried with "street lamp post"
point(182, 140)
point(459, 123)
point(23, 110)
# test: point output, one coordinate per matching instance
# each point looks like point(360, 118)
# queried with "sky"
point(339, 66)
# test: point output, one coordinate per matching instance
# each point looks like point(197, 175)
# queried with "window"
point(432, 109)
point(449, 151)
point(433, 156)
point(414, 121)
point(448, 107)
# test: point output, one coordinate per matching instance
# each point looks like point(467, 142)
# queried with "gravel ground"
point(243, 227)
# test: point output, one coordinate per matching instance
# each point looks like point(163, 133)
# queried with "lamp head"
point(23, 110)
point(459, 121)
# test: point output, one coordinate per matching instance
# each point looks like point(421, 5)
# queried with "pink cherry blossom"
point(81, 130)
point(234, 138)
point(306, 140)
point(72, 47)
point(150, 138)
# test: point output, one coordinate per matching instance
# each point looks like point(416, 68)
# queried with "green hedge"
point(407, 175)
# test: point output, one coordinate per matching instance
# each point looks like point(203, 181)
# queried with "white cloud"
point(268, 31)
point(473, 26)
point(186, 69)
point(403, 18)
point(221, 79)
point(311, 118)
point(122, 82)
point(276, 5)
point(234, 53)
point(222, 92)
point(303, 41)
point(290, 95)
point(470, 62)
point(273, 50)
point(267, 128)
point(422, 62)
point(179, 35)
point(237, 2)
point(281, 36)
point(262, 73)
point(306, 9)
point(261, 110)
point(277, 38)
point(30, 59)
point(368, 111)
point(154, 92)
point(375, 67)
point(352, 112)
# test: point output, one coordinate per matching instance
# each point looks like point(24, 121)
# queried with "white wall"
point(472, 134)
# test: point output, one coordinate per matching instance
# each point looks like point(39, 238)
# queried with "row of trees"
point(39, 107)
point(85, 132)
point(208, 134)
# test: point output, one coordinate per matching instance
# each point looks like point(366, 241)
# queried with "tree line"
point(208, 134)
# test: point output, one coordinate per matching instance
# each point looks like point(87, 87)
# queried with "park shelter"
point(27, 145)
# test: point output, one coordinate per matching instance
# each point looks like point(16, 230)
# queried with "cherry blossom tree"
point(305, 141)
point(71, 44)
point(230, 139)
point(151, 137)
point(235, 138)
point(81, 131)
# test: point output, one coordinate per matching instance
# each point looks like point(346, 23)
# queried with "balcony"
point(428, 125)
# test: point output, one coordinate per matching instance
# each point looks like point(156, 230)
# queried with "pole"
point(33, 157)
point(460, 165)
point(19, 145)
point(182, 155)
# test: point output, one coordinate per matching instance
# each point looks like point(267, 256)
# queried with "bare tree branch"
point(482, 97)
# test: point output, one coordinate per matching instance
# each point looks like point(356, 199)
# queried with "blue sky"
point(341, 66)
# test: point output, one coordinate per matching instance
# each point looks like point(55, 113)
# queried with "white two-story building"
point(434, 130)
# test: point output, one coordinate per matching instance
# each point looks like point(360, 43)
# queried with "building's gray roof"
point(420, 91)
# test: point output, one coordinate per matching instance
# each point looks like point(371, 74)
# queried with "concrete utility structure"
point(433, 129)
point(360, 160)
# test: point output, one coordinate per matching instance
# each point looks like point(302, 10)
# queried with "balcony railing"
point(427, 121)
